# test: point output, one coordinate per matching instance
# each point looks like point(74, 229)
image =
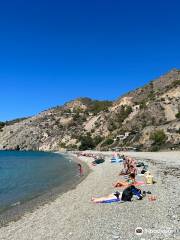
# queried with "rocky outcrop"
point(129, 121)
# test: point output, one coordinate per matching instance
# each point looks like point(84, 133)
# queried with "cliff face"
point(135, 120)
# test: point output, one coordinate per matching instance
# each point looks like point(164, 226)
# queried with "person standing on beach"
point(80, 170)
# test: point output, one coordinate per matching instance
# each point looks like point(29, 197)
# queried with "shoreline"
point(16, 212)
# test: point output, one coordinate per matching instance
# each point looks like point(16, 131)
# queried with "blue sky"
point(54, 51)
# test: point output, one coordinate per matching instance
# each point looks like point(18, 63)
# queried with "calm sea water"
point(25, 175)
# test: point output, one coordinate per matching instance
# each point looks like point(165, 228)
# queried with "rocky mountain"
point(147, 118)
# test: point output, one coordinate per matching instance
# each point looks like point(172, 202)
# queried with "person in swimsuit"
point(132, 169)
point(80, 170)
point(129, 166)
point(130, 181)
point(112, 196)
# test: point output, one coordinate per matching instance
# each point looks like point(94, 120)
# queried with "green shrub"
point(151, 95)
point(71, 147)
point(178, 115)
point(76, 117)
point(176, 83)
point(62, 145)
point(108, 141)
point(124, 113)
point(97, 140)
point(2, 124)
point(111, 125)
point(98, 106)
point(86, 142)
point(155, 148)
point(158, 137)
point(143, 104)
point(17, 120)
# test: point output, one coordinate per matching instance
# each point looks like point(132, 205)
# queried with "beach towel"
point(111, 201)
point(98, 161)
point(139, 183)
point(116, 160)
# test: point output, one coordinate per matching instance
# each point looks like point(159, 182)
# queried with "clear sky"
point(52, 51)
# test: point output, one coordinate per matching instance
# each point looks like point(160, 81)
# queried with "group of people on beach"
point(129, 185)
point(129, 164)
point(85, 154)
point(129, 170)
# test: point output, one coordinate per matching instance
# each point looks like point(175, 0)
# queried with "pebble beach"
point(73, 215)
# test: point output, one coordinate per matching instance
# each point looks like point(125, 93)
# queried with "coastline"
point(73, 216)
point(16, 212)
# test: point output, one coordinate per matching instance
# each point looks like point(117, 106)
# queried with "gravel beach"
point(73, 216)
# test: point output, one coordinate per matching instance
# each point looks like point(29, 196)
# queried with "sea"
point(27, 175)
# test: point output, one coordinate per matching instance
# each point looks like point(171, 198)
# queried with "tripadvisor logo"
point(139, 231)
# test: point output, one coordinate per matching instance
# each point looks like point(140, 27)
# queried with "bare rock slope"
point(147, 118)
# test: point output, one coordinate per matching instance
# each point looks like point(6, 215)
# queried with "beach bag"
point(129, 192)
point(137, 192)
point(127, 195)
point(140, 164)
point(143, 171)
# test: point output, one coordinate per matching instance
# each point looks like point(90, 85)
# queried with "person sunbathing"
point(130, 169)
point(113, 196)
point(130, 181)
